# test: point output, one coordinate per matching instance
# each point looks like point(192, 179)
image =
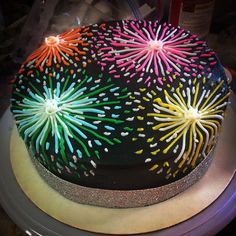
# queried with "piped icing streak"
point(67, 122)
point(186, 121)
point(59, 49)
point(150, 52)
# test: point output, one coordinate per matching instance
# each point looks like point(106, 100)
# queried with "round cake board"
point(131, 220)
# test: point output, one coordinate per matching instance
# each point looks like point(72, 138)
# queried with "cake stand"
point(34, 221)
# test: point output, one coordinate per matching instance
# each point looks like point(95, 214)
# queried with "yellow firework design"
point(186, 122)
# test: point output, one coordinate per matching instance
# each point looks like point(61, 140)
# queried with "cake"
point(120, 109)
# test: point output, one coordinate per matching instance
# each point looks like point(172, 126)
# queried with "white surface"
point(135, 220)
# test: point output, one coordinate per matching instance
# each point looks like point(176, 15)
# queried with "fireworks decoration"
point(81, 121)
point(186, 121)
point(64, 48)
point(78, 120)
point(150, 52)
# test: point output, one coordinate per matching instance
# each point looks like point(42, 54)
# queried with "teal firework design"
point(69, 122)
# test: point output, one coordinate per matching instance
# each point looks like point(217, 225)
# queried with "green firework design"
point(69, 121)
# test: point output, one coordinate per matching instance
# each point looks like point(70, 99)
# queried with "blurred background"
point(25, 23)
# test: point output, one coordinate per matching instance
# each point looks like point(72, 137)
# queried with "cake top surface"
point(121, 104)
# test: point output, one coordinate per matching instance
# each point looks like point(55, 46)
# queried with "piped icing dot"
point(51, 106)
point(52, 40)
point(155, 45)
point(192, 115)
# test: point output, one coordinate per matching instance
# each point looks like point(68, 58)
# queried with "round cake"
point(121, 106)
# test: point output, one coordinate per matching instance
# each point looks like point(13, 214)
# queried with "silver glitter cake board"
point(36, 222)
point(122, 198)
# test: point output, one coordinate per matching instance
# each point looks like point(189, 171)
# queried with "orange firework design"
point(59, 49)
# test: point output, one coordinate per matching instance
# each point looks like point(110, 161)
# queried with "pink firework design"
point(149, 50)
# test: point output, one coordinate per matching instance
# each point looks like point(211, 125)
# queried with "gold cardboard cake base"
point(130, 220)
